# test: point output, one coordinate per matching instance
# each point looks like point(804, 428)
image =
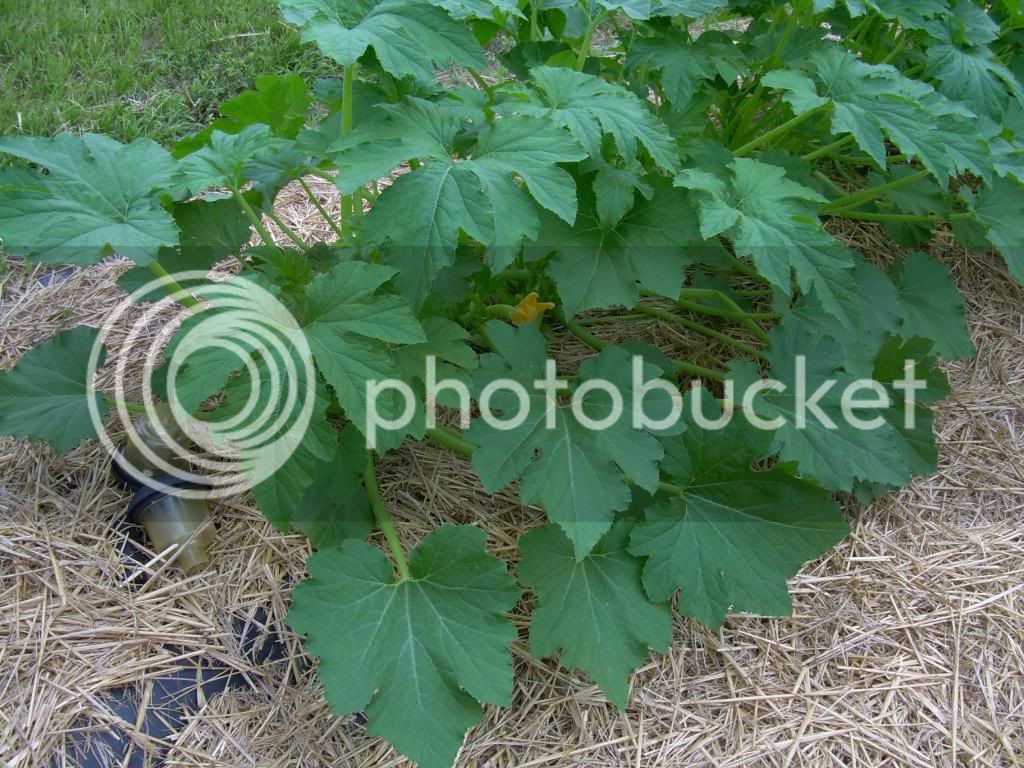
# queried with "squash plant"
point(597, 154)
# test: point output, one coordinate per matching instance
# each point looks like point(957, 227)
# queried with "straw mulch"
point(906, 647)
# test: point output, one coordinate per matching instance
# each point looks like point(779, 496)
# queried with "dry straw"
point(906, 647)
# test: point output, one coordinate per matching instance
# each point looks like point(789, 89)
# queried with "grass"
point(131, 68)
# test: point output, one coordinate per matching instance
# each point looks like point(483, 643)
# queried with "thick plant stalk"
point(298, 242)
point(733, 311)
point(780, 130)
point(323, 211)
point(383, 517)
point(588, 36)
point(254, 219)
point(867, 195)
point(725, 338)
point(348, 202)
point(597, 344)
point(181, 296)
point(822, 151)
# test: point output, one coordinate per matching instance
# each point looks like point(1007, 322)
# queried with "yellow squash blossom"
point(529, 309)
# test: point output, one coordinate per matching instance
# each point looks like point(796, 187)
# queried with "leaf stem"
point(348, 208)
point(481, 83)
point(180, 295)
point(323, 211)
point(250, 214)
point(867, 195)
point(597, 344)
point(658, 312)
point(588, 36)
point(777, 131)
point(384, 521)
point(451, 440)
point(298, 241)
point(901, 218)
point(582, 333)
point(733, 310)
point(130, 407)
point(837, 144)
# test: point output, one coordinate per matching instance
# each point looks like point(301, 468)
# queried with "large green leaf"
point(915, 440)
point(232, 159)
point(932, 307)
point(211, 230)
point(998, 208)
point(826, 445)
point(596, 266)
point(349, 324)
point(686, 64)
point(861, 339)
point(912, 14)
point(416, 654)
point(594, 611)
point(489, 10)
point(974, 76)
point(591, 107)
point(772, 220)
point(280, 102)
point(642, 10)
point(98, 195)
point(290, 455)
point(422, 214)
point(732, 536)
point(47, 395)
point(578, 474)
point(873, 102)
point(407, 36)
point(335, 507)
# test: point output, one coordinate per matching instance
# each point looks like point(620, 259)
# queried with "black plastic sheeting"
point(107, 740)
point(172, 699)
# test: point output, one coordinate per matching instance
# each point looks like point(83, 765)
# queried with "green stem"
point(130, 407)
point(662, 314)
point(776, 132)
point(582, 333)
point(597, 344)
point(747, 320)
point(613, 319)
point(171, 284)
point(323, 211)
point(897, 48)
point(901, 218)
point(865, 160)
point(384, 521)
point(250, 214)
point(733, 310)
point(747, 108)
point(347, 83)
point(501, 311)
point(588, 36)
point(451, 440)
point(287, 230)
point(867, 195)
point(535, 33)
point(828, 148)
point(829, 183)
point(747, 270)
point(481, 83)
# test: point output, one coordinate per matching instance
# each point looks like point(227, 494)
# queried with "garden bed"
point(906, 646)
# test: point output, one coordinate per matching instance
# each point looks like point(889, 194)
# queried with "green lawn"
point(133, 68)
